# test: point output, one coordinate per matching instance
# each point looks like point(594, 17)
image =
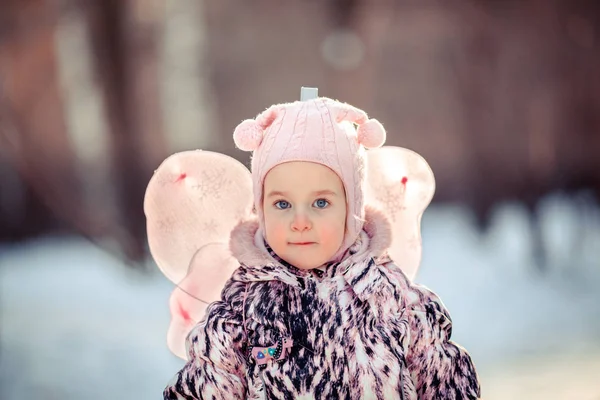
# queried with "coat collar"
point(260, 263)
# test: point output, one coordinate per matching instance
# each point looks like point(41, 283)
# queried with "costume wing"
point(401, 184)
point(192, 203)
point(210, 268)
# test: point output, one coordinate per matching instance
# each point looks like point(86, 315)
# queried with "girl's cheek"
point(331, 232)
point(277, 228)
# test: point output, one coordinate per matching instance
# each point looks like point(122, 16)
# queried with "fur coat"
point(360, 330)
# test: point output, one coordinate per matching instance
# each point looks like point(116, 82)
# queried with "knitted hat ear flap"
point(370, 133)
point(248, 135)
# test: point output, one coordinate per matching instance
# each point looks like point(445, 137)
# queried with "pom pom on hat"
point(371, 134)
point(248, 135)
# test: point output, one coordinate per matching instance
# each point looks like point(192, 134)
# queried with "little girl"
point(316, 308)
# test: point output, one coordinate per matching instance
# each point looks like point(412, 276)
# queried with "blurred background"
point(501, 97)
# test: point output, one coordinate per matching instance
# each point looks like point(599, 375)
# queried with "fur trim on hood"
point(244, 247)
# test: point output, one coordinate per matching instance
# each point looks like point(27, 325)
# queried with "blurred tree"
point(32, 112)
point(125, 37)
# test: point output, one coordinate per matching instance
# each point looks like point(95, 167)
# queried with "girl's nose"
point(301, 222)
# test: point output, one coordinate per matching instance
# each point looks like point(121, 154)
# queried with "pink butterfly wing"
point(210, 269)
point(401, 184)
point(192, 203)
point(194, 198)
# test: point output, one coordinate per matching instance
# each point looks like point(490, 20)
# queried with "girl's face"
point(304, 207)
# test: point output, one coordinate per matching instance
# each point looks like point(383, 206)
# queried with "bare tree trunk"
point(352, 50)
point(86, 123)
point(187, 98)
point(33, 116)
point(124, 36)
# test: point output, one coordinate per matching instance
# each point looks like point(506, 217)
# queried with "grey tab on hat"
point(308, 93)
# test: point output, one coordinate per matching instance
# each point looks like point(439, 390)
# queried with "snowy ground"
point(76, 324)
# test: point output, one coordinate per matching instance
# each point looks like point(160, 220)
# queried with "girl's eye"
point(321, 203)
point(282, 204)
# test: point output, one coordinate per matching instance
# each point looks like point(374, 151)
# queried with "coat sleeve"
point(216, 367)
point(440, 368)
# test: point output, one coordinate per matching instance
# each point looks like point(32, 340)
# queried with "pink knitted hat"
point(321, 131)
